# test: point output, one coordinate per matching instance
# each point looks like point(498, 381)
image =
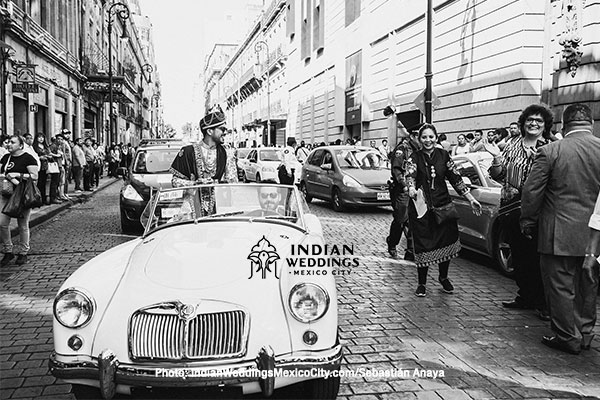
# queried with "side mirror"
point(253, 160)
point(313, 225)
point(467, 181)
point(327, 167)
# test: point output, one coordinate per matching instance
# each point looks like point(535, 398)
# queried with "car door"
point(473, 229)
point(313, 169)
point(250, 166)
point(324, 181)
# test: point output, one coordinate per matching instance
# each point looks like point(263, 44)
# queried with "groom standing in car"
point(204, 163)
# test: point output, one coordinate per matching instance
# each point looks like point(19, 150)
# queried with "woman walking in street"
point(511, 167)
point(16, 166)
point(434, 228)
point(41, 148)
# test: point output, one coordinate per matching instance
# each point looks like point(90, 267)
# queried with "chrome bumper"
point(110, 372)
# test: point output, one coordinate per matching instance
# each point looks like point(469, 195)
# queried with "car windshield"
point(225, 201)
point(154, 161)
point(269, 155)
point(360, 158)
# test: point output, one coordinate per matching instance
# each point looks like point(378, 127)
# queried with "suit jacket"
point(560, 191)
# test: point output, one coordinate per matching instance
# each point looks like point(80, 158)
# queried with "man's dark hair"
point(501, 133)
point(577, 112)
point(479, 131)
point(442, 137)
point(541, 109)
point(291, 141)
point(27, 135)
point(470, 136)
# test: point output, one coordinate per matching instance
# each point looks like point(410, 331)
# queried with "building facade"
point(62, 48)
point(347, 60)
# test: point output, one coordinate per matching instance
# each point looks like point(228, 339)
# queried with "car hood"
point(143, 182)
point(208, 255)
point(369, 176)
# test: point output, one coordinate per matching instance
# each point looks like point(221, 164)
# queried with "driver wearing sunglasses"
point(269, 199)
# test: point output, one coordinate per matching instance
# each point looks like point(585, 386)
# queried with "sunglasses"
point(265, 196)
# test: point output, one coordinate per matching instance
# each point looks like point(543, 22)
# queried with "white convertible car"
point(213, 294)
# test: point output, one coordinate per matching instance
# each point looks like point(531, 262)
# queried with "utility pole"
point(428, 70)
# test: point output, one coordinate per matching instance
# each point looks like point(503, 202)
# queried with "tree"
point(170, 131)
point(187, 129)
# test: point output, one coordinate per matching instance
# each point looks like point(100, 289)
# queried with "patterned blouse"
point(516, 165)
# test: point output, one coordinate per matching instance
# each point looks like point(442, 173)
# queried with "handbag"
point(6, 186)
point(53, 167)
point(32, 198)
point(15, 207)
point(445, 213)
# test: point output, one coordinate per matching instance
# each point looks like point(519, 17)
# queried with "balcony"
point(20, 22)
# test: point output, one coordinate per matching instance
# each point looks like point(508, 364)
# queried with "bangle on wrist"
point(592, 255)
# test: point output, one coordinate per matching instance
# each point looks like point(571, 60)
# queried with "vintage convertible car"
point(215, 293)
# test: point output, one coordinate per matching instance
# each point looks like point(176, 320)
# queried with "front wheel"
point(336, 200)
point(323, 388)
point(503, 253)
point(304, 191)
point(258, 178)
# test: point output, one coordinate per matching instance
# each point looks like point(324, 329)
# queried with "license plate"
point(169, 212)
point(383, 196)
point(175, 194)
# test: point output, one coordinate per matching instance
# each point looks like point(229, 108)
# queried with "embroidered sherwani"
point(199, 163)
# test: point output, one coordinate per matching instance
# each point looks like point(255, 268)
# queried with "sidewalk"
point(44, 213)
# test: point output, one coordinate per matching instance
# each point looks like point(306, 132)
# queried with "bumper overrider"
point(107, 369)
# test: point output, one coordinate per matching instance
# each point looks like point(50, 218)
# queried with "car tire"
point(246, 180)
point(258, 178)
point(304, 191)
point(323, 388)
point(503, 253)
point(336, 200)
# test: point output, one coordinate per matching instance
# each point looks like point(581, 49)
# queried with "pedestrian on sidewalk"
point(511, 168)
point(435, 232)
point(68, 162)
point(16, 166)
point(54, 173)
point(399, 157)
point(41, 148)
point(88, 168)
point(78, 164)
point(558, 199)
point(96, 172)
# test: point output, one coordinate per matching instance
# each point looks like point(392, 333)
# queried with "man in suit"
point(558, 197)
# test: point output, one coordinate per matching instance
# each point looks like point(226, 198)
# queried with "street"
point(480, 349)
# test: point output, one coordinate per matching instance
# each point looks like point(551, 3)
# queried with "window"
point(290, 19)
point(318, 26)
point(467, 170)
point(327, 159)
point(317, 158)
point(352, 11)
point(306, 29)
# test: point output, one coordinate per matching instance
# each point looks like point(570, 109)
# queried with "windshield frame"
point(155, 195)
point(147, 151)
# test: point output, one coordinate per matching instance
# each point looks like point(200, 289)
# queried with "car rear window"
point(156, 161)
point(269, 155)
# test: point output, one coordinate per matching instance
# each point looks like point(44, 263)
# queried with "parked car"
point(481, 234)
point(262, 163)
point(207, 300)
point(346, 176)
point(241, 161)
point(148, 171)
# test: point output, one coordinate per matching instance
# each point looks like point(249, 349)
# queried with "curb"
point(49, 212)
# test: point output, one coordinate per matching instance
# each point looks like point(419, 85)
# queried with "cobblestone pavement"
point(483, 350)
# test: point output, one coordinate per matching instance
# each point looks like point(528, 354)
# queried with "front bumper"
point(131, 210)
point(364, 197)
point(109, 373)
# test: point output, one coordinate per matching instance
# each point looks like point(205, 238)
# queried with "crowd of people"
point(550, 183)
point(54, 166)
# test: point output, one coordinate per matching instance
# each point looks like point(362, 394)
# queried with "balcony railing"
point(39, 35)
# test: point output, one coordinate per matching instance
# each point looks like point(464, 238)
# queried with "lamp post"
point(122, 11)
point(258, 47)
point(146, 68)
point(5, 53)
point(156, 97)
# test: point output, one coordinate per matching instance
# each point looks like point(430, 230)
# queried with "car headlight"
point(308, 302)
point(131, 194)
point(350, 181)
point(73, 308)
point(268, 169)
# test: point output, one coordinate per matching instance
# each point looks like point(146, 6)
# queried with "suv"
point(149, 170)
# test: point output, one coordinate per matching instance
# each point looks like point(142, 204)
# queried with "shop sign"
point(26, 87)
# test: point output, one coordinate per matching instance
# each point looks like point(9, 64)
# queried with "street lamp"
point(258, 47)
point(122, 11)
point(146, 68)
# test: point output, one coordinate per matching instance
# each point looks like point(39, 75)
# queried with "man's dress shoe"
point(556, 343)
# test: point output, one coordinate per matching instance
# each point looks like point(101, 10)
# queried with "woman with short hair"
point(16, 166)
point(435, 237)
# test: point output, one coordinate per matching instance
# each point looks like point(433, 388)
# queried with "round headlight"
point(73, 308)
point(308, 302)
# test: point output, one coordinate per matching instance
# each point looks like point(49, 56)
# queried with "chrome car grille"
point(383, 187)
point(160, 335)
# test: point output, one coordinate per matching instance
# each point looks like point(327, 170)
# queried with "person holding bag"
point(41, 148)
point(16, 166)
point(434, 228)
